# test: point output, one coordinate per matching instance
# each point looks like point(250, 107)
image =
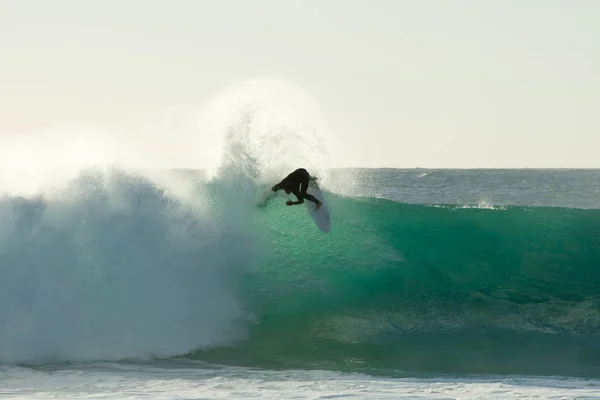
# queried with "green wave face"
point(402, 287)
point(114, 268)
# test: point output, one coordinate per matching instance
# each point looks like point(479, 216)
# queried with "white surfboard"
point(321, 216)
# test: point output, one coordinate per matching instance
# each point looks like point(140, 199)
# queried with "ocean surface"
point(432, 284)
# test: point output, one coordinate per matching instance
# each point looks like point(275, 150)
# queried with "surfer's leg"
point(307, 196)
point(312, 198)
point(304, 187)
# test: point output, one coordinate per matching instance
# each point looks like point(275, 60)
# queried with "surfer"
point(297, 183)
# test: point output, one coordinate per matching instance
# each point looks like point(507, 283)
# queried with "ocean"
point(432, 284)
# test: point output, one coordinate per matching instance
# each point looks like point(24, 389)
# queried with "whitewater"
point(123, 279)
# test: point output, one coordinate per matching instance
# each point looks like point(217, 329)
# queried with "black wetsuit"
point(297, 183)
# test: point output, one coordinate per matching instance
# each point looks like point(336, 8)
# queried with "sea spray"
point(116, 270)
point(268, 128)
point(104, 257)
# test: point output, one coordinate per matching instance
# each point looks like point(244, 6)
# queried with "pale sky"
point(420, 83)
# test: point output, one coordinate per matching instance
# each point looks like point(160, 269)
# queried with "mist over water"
point(105, 255)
